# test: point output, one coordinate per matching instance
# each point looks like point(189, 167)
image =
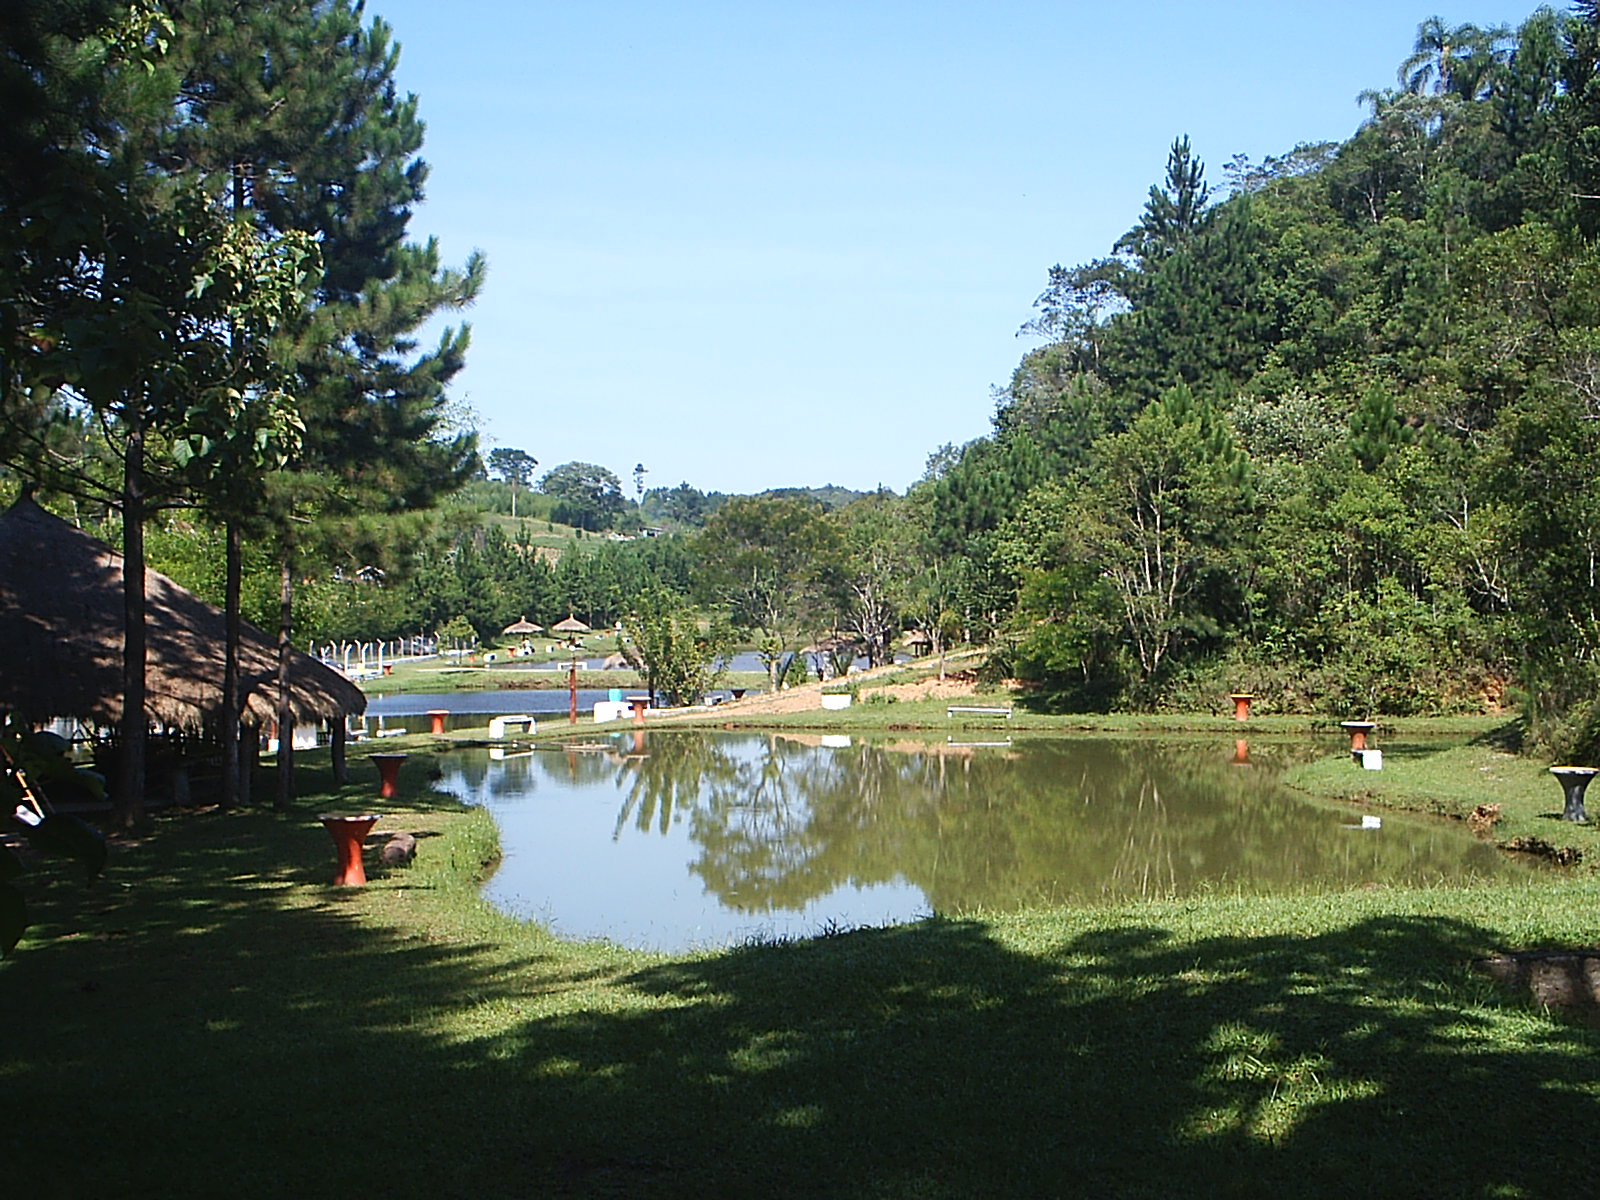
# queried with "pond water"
point(674, 840)
point(472, 710)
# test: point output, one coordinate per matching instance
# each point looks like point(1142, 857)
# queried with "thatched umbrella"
point(522, 628)
point(571, 626)
point(61, 639)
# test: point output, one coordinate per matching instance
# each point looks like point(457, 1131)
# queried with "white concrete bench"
point(980, 710)
point(610, 710)
point(499, 725)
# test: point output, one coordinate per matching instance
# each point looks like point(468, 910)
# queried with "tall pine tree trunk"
point(285, 798)
point(230, 667)
point(131, 764)
point(232, 600)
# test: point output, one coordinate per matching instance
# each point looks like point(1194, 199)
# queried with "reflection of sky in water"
point(566, 863)
point(707, 840)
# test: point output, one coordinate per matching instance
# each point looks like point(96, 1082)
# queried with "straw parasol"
point(61, 638)
point(570, 625)
point(523, 627)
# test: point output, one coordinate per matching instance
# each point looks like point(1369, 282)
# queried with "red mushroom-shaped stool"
point(388, 773)
point(348, 834)
point(1358, 731)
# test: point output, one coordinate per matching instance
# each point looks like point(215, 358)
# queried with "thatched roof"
point(570, 625)
point(61, 638)
point(523, 626)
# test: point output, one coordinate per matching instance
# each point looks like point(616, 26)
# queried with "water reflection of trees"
point(778, 821)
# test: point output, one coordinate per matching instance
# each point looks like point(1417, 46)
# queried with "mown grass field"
point(213, 1017)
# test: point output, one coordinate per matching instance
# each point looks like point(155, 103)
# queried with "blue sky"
point(758, 245)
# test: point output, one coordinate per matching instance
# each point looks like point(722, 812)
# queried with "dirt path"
point(809, 696)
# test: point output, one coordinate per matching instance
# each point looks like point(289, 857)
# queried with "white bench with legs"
point(521, 721)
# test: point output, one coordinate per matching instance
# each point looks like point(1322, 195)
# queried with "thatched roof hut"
point(61, 638)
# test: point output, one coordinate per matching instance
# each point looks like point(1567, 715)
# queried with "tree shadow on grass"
point(933, 1061)
point(194, 1036)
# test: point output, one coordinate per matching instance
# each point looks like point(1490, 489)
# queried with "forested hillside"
point(1323, 426)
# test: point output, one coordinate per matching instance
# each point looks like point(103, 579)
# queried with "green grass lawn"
point(213, 1018)
point(1453, 779)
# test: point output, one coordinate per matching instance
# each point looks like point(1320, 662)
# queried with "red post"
point(438, 715)
point(1241, 705)
point(572, 688)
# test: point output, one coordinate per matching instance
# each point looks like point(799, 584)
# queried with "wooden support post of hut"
point(341, 770)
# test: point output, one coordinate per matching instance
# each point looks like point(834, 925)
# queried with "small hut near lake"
point(61, 640)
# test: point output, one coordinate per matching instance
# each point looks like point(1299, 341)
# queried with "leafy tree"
point(760, 555)
point(514, 467)
point(138, 295)
point(587, 496)
point(681, 656)
point(1156, 515)
point(1074, 307)
point(683, 506)
point(456, 633)
point(870, 570)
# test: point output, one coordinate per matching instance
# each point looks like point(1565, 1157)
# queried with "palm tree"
point(1456, 61)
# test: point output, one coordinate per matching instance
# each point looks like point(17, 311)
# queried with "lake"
point(676, 840)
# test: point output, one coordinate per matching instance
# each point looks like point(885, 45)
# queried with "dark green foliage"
point(34, 774)
point(681, 655)
point(586, 496)
point(1403, 331)
point(682, 507)
point(1375, 429)
point(1173, 214)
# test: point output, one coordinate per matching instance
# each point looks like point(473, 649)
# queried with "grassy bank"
point(446, 675)
point(213, 1016)
point(1455, 779)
